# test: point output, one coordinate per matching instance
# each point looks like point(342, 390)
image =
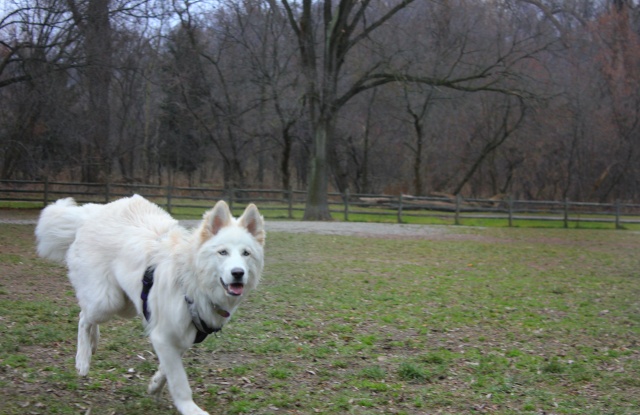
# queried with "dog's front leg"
point(171, 367)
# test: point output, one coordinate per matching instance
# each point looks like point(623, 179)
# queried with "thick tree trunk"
point(95, 26)
point(317, 206)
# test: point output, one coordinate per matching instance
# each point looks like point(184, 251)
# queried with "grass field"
point(480, 320)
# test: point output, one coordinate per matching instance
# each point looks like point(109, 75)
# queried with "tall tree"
point(37, 46)
point(322, 56)
point(93, 20)
point(324, 49)
point(418, 113)
point(492, 131)
point(261, 36)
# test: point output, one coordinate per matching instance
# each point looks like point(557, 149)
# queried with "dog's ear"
point(253, 222)
point(216, 219)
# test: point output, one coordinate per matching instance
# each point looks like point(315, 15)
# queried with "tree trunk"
point(285, 170)
point(317, 206)
point(417, 160)
point(95, 26)
point(366, 186)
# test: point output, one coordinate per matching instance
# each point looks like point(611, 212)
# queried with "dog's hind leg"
point(95, 337)
point(157, 384)
point(83, 356)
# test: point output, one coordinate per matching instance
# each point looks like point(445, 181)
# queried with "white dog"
point(130, 257)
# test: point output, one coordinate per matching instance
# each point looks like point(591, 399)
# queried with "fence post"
point(457, 215)
point(169, 199)
point(231, 196)
point(290, 201)
point(400, 208)
point(106, 192)
point(617, 206)
point(46, 191)
point(510, 207)
point(346, 205)
point(566, 212)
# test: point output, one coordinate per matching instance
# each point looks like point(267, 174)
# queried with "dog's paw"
point(83, 359)
point(190, 408)
point(157, 384)
point(82, 368)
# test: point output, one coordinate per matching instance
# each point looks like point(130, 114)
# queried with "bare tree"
point(93, 21)
point(35, 40)
point(265, 92)
point(37, 47)
point(621, 88)
point(498, 124)
point(261, 34)
point(417, 107)
point(322, 56)
point(216, 87)
point(325, 49)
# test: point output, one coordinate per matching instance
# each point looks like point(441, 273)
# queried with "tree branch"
point(375, 24)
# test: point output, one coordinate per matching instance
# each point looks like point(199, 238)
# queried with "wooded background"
point(539, 99)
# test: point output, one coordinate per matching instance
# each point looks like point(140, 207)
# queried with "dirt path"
point(349, 228)
point(324, 228)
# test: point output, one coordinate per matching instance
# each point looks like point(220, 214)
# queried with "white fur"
point(107, 249)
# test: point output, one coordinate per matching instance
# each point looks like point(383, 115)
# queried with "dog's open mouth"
point(235, 288)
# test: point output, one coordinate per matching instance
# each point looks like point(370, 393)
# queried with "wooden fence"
point(289, 204)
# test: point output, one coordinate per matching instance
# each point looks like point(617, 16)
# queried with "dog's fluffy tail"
point(57, 227)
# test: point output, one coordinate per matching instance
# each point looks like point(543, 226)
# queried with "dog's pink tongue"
point(236, 288)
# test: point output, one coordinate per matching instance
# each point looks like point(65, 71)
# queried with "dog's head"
point(231, 254)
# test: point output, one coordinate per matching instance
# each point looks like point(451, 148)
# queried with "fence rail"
point(289, 204)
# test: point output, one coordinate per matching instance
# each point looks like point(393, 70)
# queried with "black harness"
point(203, 330)
point(147, 283)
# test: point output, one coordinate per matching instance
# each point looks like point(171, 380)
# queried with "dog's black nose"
point(237, 273)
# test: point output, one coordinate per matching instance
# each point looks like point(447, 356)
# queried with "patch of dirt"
point(27, 277)
point(362, 229)
point(19, 215)
point(29, 286)
point(369, 230)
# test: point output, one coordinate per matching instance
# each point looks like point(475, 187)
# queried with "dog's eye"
point(223, 252)
point(246, 253)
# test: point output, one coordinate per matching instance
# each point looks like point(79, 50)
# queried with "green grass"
point(484, 320)
point(4, 204)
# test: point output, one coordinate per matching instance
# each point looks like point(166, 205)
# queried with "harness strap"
point(203, 330)
point(147, 283)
